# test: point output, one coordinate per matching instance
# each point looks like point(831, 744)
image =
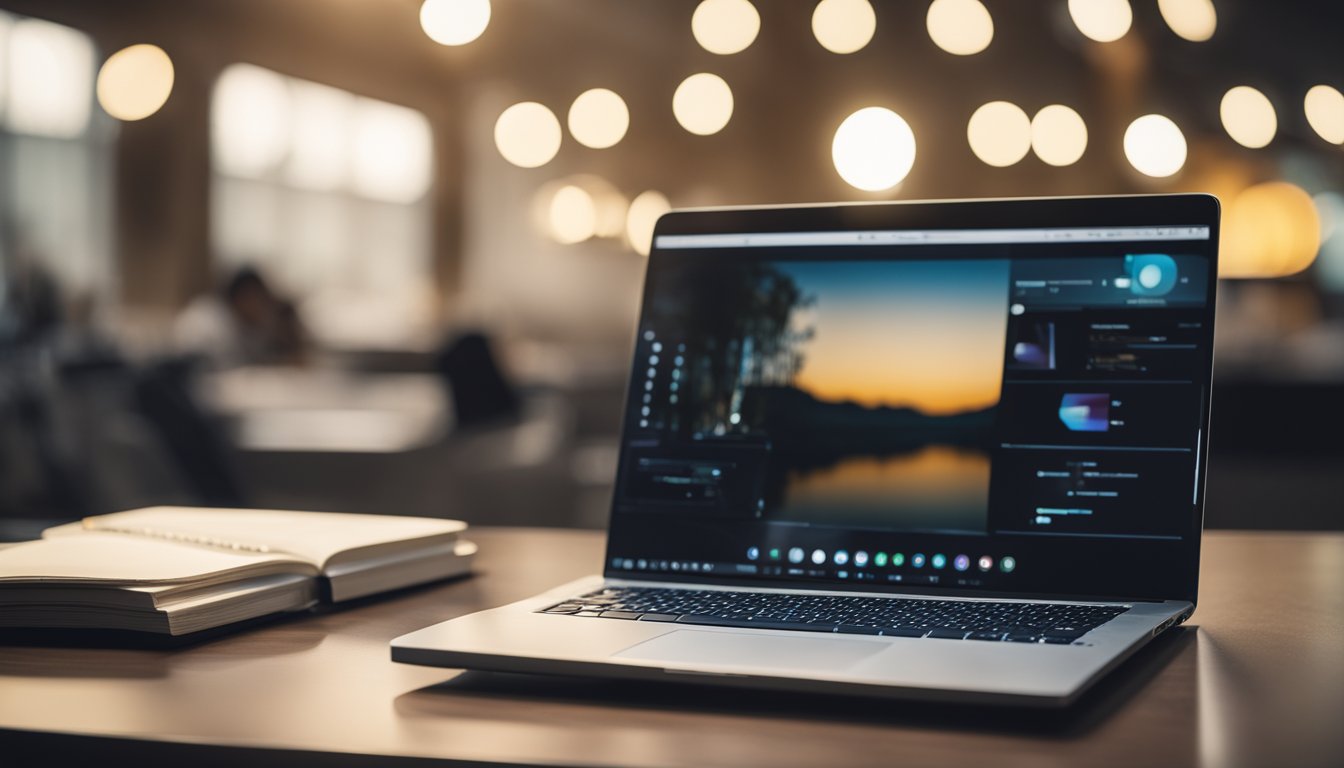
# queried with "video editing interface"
point(982, 409)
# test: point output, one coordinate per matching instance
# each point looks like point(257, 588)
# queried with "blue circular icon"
point(860, 559)
point(796, 555)
point(939, 560)
point(917, 560)
point(1007, 564)
point(961, 562)
point(1151, 274)
point(753, 553)
point(818, 556)
point(841, 557)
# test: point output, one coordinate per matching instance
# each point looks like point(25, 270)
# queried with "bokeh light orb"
point(844, 26)
point(1324, 107)
point(454, 22)
point(1194, 20)
point(135, 82)
point(703, 104)
point(1155, 146)
point(1104, 21)
point(961, 27)
point(999, 133)
point(1058, 135)
point(873, 149)
point(598, 118)
point(527, 134)
point(641, 218)
point(572, 215)
point(1269, 230)
point(1248, 117)
point(725, 26)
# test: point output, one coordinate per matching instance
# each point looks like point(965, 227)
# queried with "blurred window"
point(328, 194)
point(55, 159)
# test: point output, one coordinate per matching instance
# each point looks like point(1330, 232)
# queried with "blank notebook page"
point(115, 558)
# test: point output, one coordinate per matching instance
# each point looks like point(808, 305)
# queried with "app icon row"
point(862, 559)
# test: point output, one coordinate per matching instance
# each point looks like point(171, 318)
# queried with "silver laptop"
point(944, 450)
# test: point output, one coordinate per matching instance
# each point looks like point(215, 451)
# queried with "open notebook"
point(178, 570)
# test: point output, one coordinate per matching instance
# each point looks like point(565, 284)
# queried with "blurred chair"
point(480, 392)
point(195, 441)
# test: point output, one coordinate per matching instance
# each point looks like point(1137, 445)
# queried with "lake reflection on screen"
point(937, 488)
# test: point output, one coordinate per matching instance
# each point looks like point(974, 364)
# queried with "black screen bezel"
point(1071, 212)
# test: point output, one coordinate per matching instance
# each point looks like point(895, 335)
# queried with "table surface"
point(1257, 679)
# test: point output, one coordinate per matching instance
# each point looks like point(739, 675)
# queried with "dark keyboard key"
point(1017, 637)
point(1057, 640)
point(985, 636)
point(563, 608)
point(621, 615)
point(948, 634)
point(660, 617)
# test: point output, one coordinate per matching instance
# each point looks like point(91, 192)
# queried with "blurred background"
point(385, 255)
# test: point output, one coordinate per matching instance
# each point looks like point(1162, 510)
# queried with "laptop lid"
point(978, 397)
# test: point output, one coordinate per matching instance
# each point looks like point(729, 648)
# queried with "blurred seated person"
point(30, 298)
point(247, 323)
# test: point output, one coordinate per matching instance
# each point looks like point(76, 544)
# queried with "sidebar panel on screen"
point(1099, 428)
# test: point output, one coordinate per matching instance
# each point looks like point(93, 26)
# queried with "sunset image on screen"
point(922, 335)
point(844, 392)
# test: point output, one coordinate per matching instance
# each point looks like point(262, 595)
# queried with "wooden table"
point(1260, 681)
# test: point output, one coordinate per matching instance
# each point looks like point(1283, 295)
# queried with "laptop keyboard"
point(1054, 623)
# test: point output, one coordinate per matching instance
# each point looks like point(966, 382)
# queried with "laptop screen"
point(985, 409)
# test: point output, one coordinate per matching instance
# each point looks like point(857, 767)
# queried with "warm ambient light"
point(598, 118)
point(527, 134)
point(725, 26)
point(250, 118)
point(1325, 112)
point(393, 152)
point(320, 136)
point(50, 71)
point(999, 133)
point(703, 104)
point(844, 26)
point(1270, 230)
point(641, 218)
point(572, 215)
point(135, 82)
point(874, 149)
point(1102, 20)
point(1155, 146)
point(963, 27)
point(1194, 20)
point(1058, 135)
point(1248, 117)
point(454, 22)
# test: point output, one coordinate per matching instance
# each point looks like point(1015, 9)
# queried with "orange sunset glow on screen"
point(921, 335)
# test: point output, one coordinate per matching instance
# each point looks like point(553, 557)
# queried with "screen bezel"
point(1018, 213)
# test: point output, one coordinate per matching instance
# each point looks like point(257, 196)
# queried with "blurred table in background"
point(1257, 679)
point(328, 410)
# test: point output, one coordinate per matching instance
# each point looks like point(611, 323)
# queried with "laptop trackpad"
point(752, 649)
